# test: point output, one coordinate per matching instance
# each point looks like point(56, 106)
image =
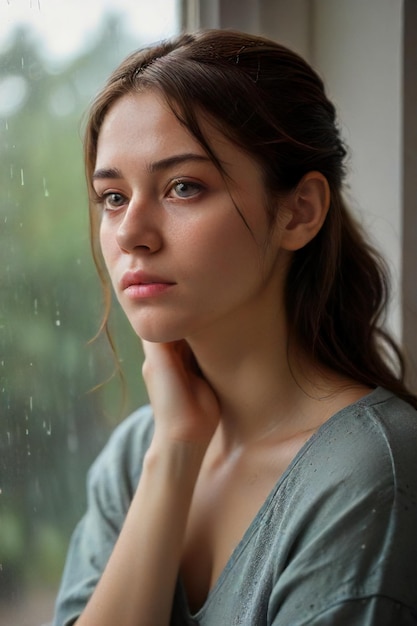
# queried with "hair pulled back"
point(271, 103)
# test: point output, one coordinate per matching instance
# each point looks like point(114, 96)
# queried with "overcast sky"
point(64, 25)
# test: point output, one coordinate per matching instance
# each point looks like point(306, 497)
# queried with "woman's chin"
point(157, 335)
point(165, 328)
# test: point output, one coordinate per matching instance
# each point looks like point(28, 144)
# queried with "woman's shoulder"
point(387, 422)
point(387, 408)
point(136, 429)
point(378, 428)
point(120, 461)
point(367, 450)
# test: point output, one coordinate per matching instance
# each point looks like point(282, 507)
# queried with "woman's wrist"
point(174, 460)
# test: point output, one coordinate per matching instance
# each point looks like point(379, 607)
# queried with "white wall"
point(357, 45)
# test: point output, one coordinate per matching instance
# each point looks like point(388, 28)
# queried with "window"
point(54, 54)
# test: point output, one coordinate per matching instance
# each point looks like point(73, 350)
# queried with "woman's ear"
point(307, 208)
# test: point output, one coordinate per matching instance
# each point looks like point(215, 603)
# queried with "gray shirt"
point(335, 543)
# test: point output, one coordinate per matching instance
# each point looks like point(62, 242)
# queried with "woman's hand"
point(138, 583)
point(185, 407)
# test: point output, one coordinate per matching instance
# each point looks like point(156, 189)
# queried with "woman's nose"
point(139, 227)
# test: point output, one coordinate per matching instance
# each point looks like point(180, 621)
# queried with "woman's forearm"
point(138, 583)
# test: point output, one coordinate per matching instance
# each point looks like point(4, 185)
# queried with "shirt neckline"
point(375, 396)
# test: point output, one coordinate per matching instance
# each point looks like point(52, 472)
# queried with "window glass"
point(54, 54)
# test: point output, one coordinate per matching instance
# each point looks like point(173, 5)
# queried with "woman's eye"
point(112, 201)
point(185, 189)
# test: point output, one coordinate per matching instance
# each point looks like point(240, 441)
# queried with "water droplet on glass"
point(57, 322)
point(35, 306)
point(22, 179)
point(45, 189)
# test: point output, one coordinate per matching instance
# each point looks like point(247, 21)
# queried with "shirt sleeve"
point(110, 485)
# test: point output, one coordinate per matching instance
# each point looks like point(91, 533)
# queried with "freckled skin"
point(225, 276)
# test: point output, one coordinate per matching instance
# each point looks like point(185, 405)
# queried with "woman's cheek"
point(108, 245)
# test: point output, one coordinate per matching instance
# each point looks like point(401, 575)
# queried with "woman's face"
point(189, 252)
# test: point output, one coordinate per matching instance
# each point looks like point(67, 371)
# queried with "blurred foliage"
point(51, 426)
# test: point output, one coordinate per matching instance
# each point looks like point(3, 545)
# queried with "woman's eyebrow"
point(176, 159)
point(111, 172)
point(156, 166)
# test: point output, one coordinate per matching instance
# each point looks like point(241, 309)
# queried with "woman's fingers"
point(184, 405)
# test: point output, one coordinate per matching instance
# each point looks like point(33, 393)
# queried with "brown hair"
point(270, 102)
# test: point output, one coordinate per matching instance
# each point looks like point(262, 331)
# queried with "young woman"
point(272, 480)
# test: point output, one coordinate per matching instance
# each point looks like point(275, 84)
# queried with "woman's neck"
point(265, 386)
point(251, 376)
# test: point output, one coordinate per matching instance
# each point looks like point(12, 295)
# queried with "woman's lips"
point(140, 284)
point(147, 290)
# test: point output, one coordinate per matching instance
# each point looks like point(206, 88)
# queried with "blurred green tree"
point(51, 427)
